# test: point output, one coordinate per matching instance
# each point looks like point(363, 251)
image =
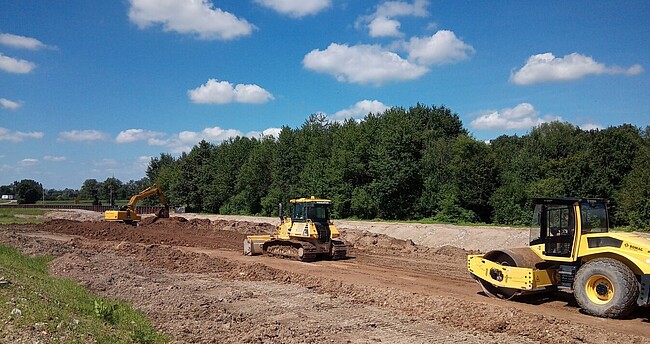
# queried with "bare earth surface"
point(189, 276)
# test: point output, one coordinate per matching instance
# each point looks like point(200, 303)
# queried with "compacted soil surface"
point(189, 276)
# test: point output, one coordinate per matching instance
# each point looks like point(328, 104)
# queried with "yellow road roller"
point(572, 250)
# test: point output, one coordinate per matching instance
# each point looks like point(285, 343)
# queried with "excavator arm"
point(129, 214)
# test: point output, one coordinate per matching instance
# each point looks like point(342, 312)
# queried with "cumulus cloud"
point(382, 22)
point(18, 136)
point(54, 158)
point(142, 162)
point(133, 135)
point(21, 42)
point(223, 92)
point(185, 140)
point(17, 66)
point(194, 17)
point(548, 68)
point(296, 8)
point(28, 162)
point(9, 104)
point(359, 110)
point(522, 116)
point(591, 126)
point(272, 132)
point(362, 64)
point(82, 135)
point(441, 48)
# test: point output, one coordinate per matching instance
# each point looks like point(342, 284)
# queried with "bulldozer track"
point(294, 250)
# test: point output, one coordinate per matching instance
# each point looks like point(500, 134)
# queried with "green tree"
point(111, 190)
point(90, 190)
point(634, 195)
point(28, 191)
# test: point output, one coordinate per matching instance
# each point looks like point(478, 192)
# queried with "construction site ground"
point(403, 283)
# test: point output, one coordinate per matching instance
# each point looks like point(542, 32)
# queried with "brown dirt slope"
point(191, 279)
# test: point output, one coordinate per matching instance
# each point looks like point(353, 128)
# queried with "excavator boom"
point(128, 213)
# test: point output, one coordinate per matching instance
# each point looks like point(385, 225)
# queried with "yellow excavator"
point(572, 250)
point(307, 235)
point(128, 213)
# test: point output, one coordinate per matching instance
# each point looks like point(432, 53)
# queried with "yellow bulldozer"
point(128, 213)
point(572, 250)
point(307, 235)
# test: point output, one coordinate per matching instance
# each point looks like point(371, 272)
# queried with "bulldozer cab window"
point(298, 212)
point(318, 213)
point(554, 226)
point(594, 217)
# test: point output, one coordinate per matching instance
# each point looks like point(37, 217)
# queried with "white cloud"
point(384, 27)
point(296, 8)
point(133, 135)
point(591, 126)
point(82, 135)
point(21, 42)
point(223, 92)
point(12, 65)
point(381, 23)
point(274, 132)
point(363, 64)
point(9, 104)
point(548, 68)
point(195, 17)
point(185, 140)
point(54, 158)
point(28, 162)
point(359, 110)
point(522, 116)
point(142, 162)
point(441, 48)
point(18, 136)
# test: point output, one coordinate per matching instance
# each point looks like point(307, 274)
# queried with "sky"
point(95, 89)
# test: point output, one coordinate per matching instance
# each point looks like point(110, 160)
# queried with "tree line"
point(415, 163)
point(108, 192)
point(403, 164)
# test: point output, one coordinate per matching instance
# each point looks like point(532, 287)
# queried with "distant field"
point(21, 216)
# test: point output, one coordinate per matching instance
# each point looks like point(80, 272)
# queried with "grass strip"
point(35, 306)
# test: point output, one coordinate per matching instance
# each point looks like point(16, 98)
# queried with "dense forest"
point(416, 163)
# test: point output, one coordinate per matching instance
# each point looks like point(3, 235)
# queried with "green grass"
point(62, 308)
point(20, 216)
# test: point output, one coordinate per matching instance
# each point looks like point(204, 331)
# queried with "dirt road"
point(191, 279)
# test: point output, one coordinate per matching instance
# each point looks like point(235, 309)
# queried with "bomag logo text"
point(633, 247)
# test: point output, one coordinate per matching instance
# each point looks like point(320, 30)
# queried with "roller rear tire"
point(606, 288)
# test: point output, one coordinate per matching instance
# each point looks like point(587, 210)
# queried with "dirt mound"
point(172, 231)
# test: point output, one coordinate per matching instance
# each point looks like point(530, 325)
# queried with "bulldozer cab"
point(558, 223)
point(313, 210)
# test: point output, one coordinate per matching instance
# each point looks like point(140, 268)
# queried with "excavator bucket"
point(163, 213)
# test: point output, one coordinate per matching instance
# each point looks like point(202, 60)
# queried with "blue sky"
point(94, 89)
